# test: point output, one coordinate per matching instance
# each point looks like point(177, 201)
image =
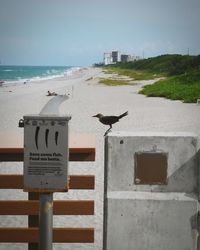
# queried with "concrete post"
point(151, 191)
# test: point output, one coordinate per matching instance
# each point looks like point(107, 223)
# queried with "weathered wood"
point(75, 154)
point(82, 182)
point(81, 148)
point(70, 207)
point(60, 207)
point(33, 220)
point(64, 235)
point(76, 182)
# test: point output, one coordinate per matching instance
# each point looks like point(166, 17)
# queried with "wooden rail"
point(82, 148)
point(64, 235)
point(60, 207)
point(75, 154)
point(76, 182)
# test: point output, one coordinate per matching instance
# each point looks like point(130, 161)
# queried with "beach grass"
point(181, 73)
point(133, 74)
point(113, 82)
point(184, 87)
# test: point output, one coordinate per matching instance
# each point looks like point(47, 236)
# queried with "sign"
point(46, 152)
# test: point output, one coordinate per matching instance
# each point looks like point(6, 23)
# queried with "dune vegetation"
point(181, 76)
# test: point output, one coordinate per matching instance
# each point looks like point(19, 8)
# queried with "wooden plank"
point(82, 182)
point(64, 235)
point(76, 182)
point(81, 147)
point(74, 235)
point(11, 154)
point(33, 220)
point(82, 155)
point(69, 207)
point(19, 207)
point(75, 154)
point(11, 181)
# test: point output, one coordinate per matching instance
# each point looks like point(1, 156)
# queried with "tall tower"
point(116, 56)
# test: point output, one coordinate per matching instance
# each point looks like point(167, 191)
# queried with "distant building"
point(116, 56)
point(124, 58)
point(134, 58)
point(129, 58)
point(108, 58)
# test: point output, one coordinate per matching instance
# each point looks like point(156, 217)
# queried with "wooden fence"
point(81, 149)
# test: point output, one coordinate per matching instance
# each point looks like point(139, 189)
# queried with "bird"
point(109, 120)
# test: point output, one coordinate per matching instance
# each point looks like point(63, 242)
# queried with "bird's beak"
point(94, 116)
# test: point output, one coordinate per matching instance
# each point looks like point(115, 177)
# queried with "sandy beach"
point(88, 98)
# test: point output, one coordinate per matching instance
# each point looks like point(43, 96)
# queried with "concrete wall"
point(145, 217)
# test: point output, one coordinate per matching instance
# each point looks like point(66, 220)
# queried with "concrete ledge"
point(182, 157)
point(151, 196)
point(151, 134)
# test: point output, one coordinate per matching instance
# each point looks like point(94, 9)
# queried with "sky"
point(78, 32)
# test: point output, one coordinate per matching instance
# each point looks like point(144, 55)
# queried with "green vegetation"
point(111, 82)
point(134, 74)
point(185, 87)
point(182, 75)
point(166, 65)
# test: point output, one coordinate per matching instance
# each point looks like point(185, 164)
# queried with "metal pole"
point(46, 221)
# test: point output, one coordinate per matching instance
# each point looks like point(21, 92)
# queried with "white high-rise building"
point(108, 58)
point(115, 56)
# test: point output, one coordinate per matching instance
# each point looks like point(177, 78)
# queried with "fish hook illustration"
point(36, 136)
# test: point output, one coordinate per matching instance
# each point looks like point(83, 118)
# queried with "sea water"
point(19, 74)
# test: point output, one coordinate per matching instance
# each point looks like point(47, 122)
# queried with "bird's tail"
point(122, 115)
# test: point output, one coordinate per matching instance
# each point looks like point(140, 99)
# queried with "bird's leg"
point(107, 131)
point(110, 128)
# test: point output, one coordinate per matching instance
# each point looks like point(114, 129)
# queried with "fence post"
point(33, 220)
point(151, 191)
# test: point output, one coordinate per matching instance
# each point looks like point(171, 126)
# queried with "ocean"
point(20, 74)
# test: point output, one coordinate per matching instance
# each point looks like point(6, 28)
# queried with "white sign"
point(46, 152)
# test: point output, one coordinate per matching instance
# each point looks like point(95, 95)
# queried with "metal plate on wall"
point(150, 168)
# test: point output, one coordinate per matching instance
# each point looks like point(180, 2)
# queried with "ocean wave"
point(7, 70)
point(48, 75)
point(72, 71)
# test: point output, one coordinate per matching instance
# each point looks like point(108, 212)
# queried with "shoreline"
point(45, 73)
point(66, 75)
